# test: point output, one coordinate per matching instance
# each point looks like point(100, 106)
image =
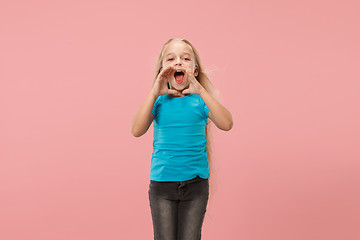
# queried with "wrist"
point(152, 93)
point(202, 91)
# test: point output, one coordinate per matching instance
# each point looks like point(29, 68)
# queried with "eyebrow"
point(183, 53)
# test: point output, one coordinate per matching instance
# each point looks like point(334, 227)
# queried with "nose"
point(178, 62)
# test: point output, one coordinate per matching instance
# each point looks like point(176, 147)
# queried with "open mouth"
point(179, 76)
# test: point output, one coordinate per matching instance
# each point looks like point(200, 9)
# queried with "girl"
point(181, 104)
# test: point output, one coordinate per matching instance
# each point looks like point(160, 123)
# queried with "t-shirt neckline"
point(179, 97)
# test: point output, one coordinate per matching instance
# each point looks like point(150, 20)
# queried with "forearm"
point(220, 116)
point(143, 118)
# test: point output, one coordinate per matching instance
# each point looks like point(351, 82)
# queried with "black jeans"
point(178, 208)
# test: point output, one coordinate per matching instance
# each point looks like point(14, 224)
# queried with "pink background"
point(74, 73)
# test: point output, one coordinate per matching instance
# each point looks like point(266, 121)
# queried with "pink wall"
point(73, 74)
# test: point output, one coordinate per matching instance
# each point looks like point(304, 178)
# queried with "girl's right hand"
point(160, 86)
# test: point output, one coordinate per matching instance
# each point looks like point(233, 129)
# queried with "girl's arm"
point(143, 118)
point(217, 113)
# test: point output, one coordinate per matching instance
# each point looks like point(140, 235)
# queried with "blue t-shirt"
point(179, 152)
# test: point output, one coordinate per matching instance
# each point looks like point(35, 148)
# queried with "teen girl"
point(181, 105)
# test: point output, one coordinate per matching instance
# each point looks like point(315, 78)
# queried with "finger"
point(186, 91)
point(168, 71)
point(190, 77)
point(174, 92)
point(179, 94)
point(165, 72)
point(169, 68)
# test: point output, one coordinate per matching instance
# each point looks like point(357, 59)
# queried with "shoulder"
point(159, 98)
point(199, 98)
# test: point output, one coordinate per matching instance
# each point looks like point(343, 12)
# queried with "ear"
point(196, 71)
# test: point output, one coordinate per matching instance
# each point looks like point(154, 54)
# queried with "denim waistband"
point(187, 181)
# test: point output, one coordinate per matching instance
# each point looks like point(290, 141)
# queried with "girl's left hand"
point(194, 86)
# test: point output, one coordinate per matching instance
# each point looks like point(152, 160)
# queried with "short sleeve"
point(155, 106)
point(206, 109)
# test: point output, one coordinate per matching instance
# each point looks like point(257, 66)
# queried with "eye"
point(170, 59)
point(187, 58)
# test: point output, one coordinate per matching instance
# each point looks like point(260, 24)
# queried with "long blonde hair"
point(204, 80)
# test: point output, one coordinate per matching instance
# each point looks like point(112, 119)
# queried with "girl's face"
point(179, 55)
